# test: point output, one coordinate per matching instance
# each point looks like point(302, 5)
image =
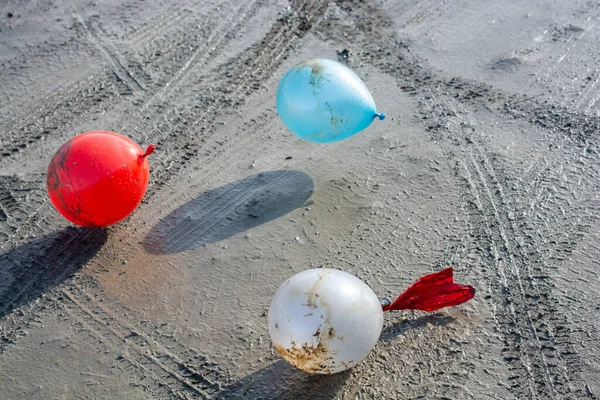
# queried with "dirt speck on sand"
point(489, 163)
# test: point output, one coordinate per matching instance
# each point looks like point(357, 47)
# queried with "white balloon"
point(324, 321)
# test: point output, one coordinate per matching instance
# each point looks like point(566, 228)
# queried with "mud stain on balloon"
point(317, 135)
point(331, 334)
point(54, 184)
point(316, 66)
point(315, 301)
point(308, 356)
point(334, 121)
point(314, 359)
point(58, 161)
point(317, 359)
point(316, 73)
point(313, 295)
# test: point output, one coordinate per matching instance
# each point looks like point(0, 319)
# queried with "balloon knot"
point(381, 116)
point(385, 302)
point(149, 150)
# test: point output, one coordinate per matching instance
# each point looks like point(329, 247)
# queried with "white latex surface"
point(324, 320)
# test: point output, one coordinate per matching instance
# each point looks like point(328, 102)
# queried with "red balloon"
point(98, 178)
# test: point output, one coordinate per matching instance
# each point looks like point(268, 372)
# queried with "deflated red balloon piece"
point(98, 178)
point(433, 292)
point(325, 321)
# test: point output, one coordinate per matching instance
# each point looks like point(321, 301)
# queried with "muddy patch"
point(314, 359)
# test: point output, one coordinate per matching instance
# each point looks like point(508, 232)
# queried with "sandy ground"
point(488, 161)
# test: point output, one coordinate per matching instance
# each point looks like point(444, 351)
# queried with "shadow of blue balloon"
point(228, 210)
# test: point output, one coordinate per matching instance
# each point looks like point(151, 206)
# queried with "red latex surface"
point(433, 292)
point(98, 178)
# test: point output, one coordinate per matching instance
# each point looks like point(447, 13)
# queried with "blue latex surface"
point(323, 101)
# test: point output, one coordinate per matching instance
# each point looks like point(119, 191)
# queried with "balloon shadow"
point(29, 270)
point(282, 381)
point(228, 210)
point(392, 331)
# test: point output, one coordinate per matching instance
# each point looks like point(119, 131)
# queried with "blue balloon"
point(323, 101)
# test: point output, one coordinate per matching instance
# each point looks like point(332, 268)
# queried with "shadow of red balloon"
point(31, 269)
point(228, 210)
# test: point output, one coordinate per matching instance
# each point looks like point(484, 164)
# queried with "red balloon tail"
point(433, 292)
point(149, 150)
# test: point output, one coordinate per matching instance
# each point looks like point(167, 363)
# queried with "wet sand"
point(487, 161)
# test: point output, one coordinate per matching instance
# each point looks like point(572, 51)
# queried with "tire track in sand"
point(110, 90)
point(110, 52)
point(245, 74)
point(187, 374)
point(86, 95)
point(537, 345)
